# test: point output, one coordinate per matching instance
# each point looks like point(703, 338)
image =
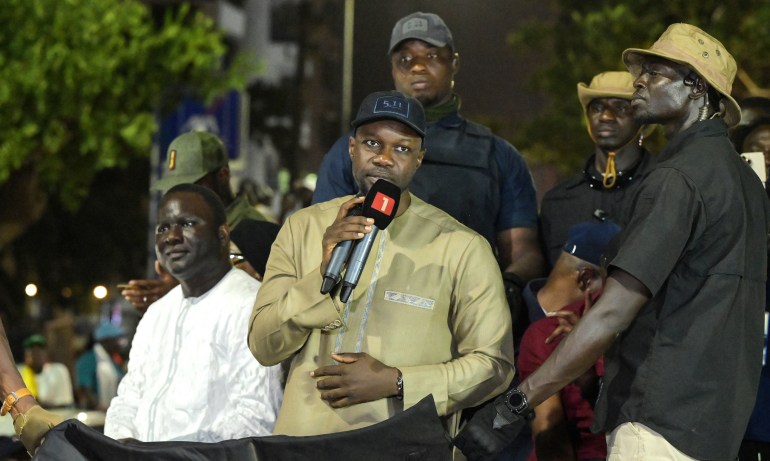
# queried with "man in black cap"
point(680, 318)
point(428, 315)
point(468, 172)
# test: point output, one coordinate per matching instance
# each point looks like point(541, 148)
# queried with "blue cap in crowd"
point(589, 240)
point(107, 330)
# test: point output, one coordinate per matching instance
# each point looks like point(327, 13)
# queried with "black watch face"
point(516, 401)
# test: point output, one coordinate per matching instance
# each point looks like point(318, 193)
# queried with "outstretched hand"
point(568, 319)
point(358, 378)
point(142, 293)
point(588, 382)
point(32, 425)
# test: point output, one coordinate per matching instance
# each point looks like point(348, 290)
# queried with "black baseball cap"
point(428, 27)
point(391, 105)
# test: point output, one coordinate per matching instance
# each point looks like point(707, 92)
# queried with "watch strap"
point(400, 385)
point(506, 414)
point(12, 398)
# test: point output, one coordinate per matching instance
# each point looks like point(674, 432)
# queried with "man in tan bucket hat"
point(613, 171)
point(697, 53)
point(680, 318)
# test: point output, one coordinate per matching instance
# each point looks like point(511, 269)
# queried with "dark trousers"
point(752, 450)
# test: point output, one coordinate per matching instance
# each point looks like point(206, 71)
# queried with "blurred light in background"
point(31, 290)
point(100, 292)
point(66, 292)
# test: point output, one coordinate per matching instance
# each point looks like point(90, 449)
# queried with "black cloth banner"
point(415, 434)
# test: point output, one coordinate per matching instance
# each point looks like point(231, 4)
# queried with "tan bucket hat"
point(611, 84)
point(689, 45)
point(606, 85)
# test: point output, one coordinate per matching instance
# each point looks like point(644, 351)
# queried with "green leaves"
point(81, 81)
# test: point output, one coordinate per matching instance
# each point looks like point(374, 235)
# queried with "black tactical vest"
point(459, 175)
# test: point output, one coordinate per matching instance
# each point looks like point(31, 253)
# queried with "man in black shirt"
point(680, 319)
point(613, 171)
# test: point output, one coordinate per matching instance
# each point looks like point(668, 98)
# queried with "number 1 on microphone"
point(383, 203)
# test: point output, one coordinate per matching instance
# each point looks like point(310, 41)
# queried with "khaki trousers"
point(634, 441)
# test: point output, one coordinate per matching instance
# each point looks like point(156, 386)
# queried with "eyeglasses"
point(237, 258)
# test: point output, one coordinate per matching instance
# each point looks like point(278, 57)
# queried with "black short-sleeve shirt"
point(576, 199)
point(688, 365)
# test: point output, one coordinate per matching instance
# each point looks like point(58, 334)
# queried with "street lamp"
point(31, 290)
point(100, 292)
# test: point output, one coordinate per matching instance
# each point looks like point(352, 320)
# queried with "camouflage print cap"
point(190, 157)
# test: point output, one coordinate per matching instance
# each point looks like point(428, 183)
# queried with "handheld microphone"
point(381, 204)
point(341, 252)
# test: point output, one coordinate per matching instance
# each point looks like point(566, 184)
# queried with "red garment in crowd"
point(578, 411)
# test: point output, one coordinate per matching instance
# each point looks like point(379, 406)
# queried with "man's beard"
point(645, 118)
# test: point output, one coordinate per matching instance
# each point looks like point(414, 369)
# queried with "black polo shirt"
point(688, 366)
point(576, 199)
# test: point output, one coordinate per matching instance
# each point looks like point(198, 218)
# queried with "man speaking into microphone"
point(426, 315)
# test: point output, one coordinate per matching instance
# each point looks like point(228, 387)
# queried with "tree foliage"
point(588, 37)
point(81, 82)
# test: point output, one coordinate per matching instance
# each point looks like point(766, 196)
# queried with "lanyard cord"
point(610, 173)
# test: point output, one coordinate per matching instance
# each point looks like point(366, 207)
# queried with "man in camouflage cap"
point(196, 157)
point(680, 319)
point(200, 158)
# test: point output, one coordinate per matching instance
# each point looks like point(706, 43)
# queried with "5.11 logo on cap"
point(383, 203)
point(392, 105)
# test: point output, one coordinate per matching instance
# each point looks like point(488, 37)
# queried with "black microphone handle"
point(340, 254)
point(356, 263)
point(333, 271)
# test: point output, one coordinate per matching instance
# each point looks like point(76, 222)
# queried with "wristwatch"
point(511, 406)
point(400, 386)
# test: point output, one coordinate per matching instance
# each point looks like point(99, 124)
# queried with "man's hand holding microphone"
point(339, 239)
point(358, 377)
